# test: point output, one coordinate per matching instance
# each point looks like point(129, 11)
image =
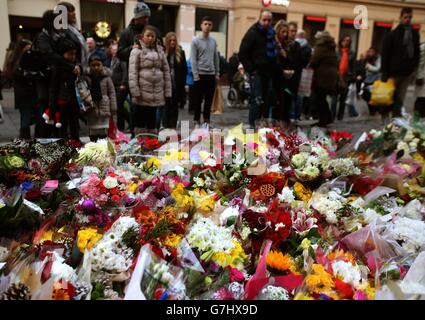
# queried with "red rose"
point(116, 198)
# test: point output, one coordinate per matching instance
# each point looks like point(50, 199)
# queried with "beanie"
point(141, 10)
point(66, 45)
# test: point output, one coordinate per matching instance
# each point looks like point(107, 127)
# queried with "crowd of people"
point(139, 82)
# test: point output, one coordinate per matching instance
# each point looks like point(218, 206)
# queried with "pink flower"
point(360, 295)
point(236, 275)
point(303, 223)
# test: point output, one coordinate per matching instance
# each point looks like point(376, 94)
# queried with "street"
point(9, 130)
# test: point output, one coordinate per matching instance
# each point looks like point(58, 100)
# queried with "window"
point(379, 32)
point(163, 17)
point(220, 26)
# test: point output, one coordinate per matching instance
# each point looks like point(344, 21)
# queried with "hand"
point(77, 71)
point(420, 82)
point(123, 87)
point(136, 46)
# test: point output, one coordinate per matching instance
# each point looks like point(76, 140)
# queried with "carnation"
point(287, 195)
point(410, 232)
point(110, 182)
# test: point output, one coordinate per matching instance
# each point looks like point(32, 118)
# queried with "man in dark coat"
point(258, 55)
point(400, 57)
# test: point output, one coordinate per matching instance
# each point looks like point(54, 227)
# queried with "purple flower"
point(303, 223)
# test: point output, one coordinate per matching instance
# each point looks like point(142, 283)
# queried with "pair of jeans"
point(322, 106)
point(123, 115)
point(204, 90)
point(260, 91)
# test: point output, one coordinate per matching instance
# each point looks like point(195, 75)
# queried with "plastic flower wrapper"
point(155, 279)
point(99, 154)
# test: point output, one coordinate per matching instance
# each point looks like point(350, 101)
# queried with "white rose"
point(110, 183)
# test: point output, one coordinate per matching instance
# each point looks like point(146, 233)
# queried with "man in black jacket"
point(258, 55)
point(400, 57)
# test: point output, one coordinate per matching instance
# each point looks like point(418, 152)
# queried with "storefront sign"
point(268, 3)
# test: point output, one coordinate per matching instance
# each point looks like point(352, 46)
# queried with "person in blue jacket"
point(190, 83)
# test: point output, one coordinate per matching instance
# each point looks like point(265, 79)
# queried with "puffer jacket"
point(108, 105)
point(149, 76)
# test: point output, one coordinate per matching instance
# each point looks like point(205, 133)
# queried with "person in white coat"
point(420, 86)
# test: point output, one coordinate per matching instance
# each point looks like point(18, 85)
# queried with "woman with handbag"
point(178, 68)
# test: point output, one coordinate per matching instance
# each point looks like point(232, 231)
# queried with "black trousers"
point(204, 90)
point(144, 117)
point(70, 113)
point(123, 115)
point(322, 106)
point(171, 114)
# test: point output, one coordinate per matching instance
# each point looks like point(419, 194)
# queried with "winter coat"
point(25, 90)
point(108, 105)
point(149, 76)
point(420, 74)
point(62, 86)
point(189, 78)
point(373, 71)
point(394, 61)
point(325, 64)
point(180, 75)
point(119, 73)
point(253, 53)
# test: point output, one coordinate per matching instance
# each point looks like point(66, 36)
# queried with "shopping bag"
point(84, 97)
point(351, 96)
point(383, 93)
point(218, 101)
point(116, 135)
point(306, 82)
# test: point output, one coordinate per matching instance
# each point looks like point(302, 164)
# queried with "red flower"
point(280, 222)
point(344, 289)
point(338, 136)
point(33, 194)
point(364, 184)
point(116, 198)
point(114, 191)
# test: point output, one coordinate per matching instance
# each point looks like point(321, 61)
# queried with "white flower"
point(299, 159)
point(61, 270)
point(321, 152)
point(370, 215)
point(110, 182)
point(328, 205)
point(228, 213)
point(349, 273)
point(409, 136)
point(274, 293)
point(199, 181)
point(343, 167)
point(411, 232)
point(287, 195)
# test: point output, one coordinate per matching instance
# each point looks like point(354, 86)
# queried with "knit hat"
point(66, 45)
point(95, 57)
point(141, 10)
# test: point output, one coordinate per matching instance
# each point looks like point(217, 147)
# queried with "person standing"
point(93, 49)
point(178, 67)
point(400, 58)
point(25, 90)
point(190, 83)
point(302, 103)
point(325, 65)
point(149, 80)
point(104, 99)
point(258, 55)
point(420, 86)
point(347, 76)
point(75, 35)
point(120, 80)
point(206, 70)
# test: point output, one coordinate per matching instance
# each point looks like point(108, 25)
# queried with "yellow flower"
point(172, 240)
point(319, 281)
point(206, 204)
point(278, 261)
point(133, 187)
point(305, 244)
point(302, 296)
point(235, 258)
point(302, 192)
point(87, 238)
point(183, 200)
point(153, 163)
point(46, 236)
point(370, 292)
point(175, 155)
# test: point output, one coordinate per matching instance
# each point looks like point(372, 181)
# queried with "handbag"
point(383, 93)
point(84, 98)
point(218, 101)
point(306, 82)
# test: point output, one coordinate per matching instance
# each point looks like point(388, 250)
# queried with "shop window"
point(95, 11)
point(220, 26)
point(348, 29)
point(24, 27)
point(380, 30)
point(163, 17)
point(311, 26)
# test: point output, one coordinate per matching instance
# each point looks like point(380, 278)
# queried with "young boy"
point(104, 97)
point(63, 99)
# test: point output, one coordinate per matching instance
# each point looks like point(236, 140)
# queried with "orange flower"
point(341, 255)
point(60, 294)
point(278, 261)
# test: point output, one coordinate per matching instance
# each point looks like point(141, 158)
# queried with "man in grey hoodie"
point(206, 70)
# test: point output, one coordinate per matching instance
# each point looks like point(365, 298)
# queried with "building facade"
point(22, 18)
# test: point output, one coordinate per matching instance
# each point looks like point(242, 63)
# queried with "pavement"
point(231, 117)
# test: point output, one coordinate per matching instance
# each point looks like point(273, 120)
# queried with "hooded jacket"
point(149, 76)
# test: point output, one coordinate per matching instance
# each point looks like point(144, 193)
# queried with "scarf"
point(96, 91)
point(271, 41)
point(82, 40)
point(408, 41)
point(343, 66)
